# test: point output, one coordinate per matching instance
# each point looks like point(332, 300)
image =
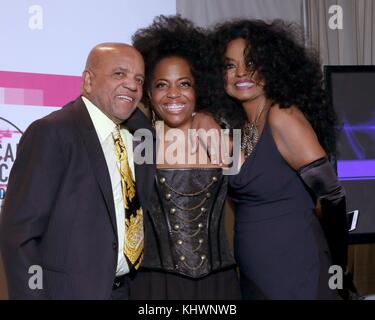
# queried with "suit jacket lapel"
point(144, 173)
point(96, 157)
point(143, 184)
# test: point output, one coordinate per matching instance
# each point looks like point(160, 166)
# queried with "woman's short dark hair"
point(292, 73)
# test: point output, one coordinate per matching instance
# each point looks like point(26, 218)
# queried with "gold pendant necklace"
point(250, 135)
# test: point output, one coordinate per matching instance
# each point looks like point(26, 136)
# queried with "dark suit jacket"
point(59, 210)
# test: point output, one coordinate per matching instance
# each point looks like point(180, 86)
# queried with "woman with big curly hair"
point(186, 254)
point(274, 93)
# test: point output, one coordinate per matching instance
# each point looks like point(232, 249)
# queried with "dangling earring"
point(153, 118)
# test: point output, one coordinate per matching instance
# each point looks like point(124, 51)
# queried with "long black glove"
point(320, 177)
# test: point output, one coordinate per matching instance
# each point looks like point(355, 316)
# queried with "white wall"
point(69, 29)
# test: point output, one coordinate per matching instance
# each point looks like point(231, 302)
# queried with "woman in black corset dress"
point(274, 93)
point(186, 253)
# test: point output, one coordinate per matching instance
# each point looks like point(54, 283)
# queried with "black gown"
point(186, 252)
point(280, 247)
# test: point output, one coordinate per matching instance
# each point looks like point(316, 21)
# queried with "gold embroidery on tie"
point(127, 181)
point(134, 236)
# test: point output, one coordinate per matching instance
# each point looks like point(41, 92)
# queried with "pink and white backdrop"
point(44, 44)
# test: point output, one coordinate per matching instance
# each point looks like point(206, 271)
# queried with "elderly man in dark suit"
point(66, 206)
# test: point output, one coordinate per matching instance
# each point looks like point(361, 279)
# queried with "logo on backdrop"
point(10, 135)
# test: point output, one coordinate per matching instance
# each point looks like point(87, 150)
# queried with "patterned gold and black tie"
point(133, 248)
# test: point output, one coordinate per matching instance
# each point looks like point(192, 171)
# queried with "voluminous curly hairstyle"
point(292, 73)
point(171, 36)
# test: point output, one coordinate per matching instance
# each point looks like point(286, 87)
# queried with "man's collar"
point(104, 126)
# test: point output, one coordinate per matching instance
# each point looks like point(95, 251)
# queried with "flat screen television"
point(352, 92)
